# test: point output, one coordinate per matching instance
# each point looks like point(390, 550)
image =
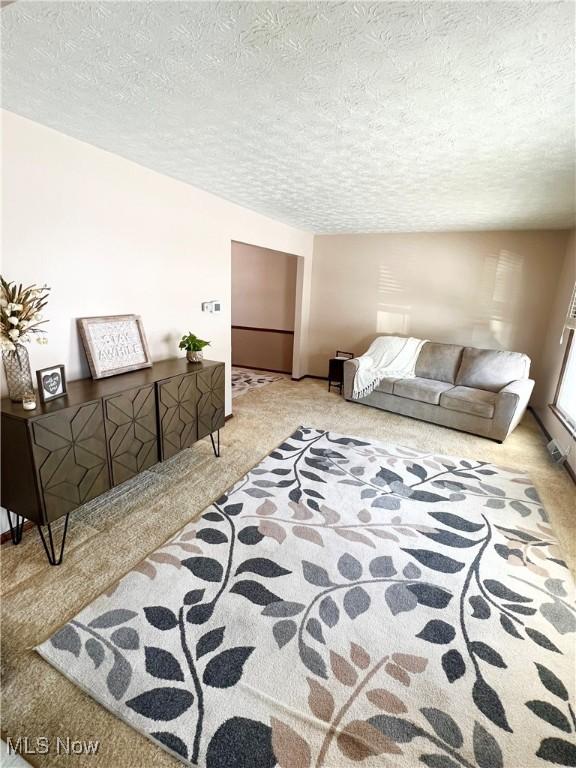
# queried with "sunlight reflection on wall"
point(391, 318)
point(494, 289)
point(498, 300)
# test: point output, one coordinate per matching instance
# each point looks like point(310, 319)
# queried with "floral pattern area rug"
point(244, 379)
point(348, 602)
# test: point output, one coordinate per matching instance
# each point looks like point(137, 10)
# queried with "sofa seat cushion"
point(439, 361)
point(476, 402)
point(491, 369)
point(386, 385)
point(424, 390)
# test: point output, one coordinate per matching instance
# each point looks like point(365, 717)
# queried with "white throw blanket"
point(392, 357)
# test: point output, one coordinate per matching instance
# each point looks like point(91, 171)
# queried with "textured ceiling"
point(334, 117)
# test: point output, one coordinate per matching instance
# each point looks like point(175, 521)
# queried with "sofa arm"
point(511, 404)
point(350, 368)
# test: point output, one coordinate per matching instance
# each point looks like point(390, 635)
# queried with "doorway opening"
point(263, 311)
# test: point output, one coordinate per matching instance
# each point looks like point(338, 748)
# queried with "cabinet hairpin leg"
point(214, 448)
point(17, 528)
point(50, 551)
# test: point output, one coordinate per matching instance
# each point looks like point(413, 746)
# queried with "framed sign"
point(51, 383)
point(114, 344)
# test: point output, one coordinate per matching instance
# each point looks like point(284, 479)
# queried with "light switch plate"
point(211, 306)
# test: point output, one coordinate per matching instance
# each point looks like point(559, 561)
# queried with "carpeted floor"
point(106, 539)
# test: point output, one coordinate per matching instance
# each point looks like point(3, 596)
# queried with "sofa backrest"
point(439, 361)
point(491, 369)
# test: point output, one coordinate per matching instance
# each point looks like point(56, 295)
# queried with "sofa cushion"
point(439, 361)
point(491, 369)
point(424, 390)
point(386, 385)
point(476, 402)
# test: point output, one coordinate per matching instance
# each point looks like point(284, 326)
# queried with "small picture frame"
point(51, 383)
point(114, 344)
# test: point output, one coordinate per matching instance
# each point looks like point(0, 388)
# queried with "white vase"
point(195, 357)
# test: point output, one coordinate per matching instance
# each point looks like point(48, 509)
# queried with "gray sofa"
point(483, 391)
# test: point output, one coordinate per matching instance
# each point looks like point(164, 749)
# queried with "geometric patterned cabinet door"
point(70, 455)
point(72, 449)
point(211, 401)
point(131, 432)
point(177, 410)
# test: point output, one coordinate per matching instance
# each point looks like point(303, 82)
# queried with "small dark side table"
point(336, 369)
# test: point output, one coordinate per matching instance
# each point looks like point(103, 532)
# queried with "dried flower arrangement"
point(20, 314)
point(20, 321)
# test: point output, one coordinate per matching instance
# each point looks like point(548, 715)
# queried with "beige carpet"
point(106, 539)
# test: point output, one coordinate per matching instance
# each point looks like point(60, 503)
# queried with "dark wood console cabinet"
point(102, 433)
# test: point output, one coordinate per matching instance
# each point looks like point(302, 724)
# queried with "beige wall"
point(111, 237)
point(486, 289)
point(263, 287)
point(263, 296)
point(554, 351)
point(264, 350)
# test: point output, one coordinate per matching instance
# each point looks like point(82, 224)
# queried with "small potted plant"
point(193, 346)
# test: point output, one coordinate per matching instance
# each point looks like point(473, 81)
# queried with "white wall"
point(112, 237)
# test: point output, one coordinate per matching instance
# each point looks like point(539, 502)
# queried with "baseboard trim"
point(230, 416)
point(4, 537)
point(548, 436)
point(259, 368)
point(310, 376)
point(261, 330)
